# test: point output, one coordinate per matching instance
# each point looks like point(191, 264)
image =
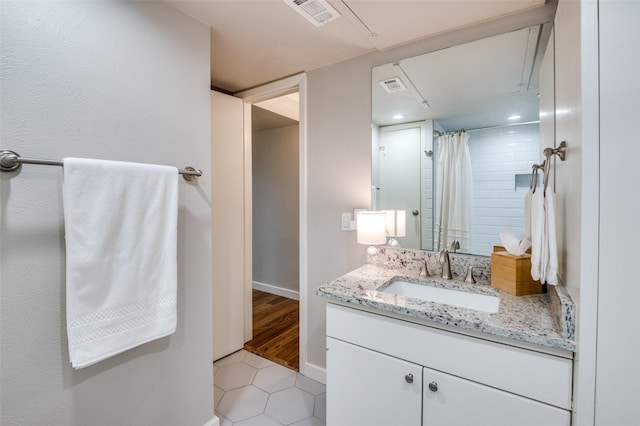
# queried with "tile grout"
point(275, 379)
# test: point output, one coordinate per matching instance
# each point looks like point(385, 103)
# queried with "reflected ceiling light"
point(513, 117)
point(398, 117)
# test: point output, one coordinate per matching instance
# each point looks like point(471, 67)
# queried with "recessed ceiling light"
point(513, 117)
point(398, 117)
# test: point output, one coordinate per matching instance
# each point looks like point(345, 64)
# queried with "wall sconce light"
point(396, 225)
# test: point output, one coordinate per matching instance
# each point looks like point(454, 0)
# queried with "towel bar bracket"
point(10, 161)
point(560, 151)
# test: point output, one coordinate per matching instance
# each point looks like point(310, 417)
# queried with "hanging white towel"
point(537, 235)
point(527, 214)
point(551, 270)
point(544, 248)
point(121, 276)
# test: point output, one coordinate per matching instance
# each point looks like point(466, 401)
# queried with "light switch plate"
point(346, 222)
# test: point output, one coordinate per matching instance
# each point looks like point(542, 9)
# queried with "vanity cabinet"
point(370, 388)
point(383, 371)
point(451, 400)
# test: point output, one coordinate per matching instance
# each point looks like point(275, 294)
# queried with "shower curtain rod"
point(11, 161)
point(486, 128)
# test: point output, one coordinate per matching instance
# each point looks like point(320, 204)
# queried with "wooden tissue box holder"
point(512, 274)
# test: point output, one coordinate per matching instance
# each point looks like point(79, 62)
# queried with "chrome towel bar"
point(11, 161)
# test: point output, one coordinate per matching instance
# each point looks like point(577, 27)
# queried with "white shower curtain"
point(455, 192)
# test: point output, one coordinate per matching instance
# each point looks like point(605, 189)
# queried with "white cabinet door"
point(368, 388)
point(450, 400)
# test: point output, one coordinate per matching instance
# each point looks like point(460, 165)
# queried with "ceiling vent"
point(393, 85)
point(318, 12)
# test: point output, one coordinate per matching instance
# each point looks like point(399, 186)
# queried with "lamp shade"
point(371, 227)
point(396, 223)
point(401, 223)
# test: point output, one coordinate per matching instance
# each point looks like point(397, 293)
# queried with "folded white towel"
point(121, 276)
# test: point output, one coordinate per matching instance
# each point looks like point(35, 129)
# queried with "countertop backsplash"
point(402, 258)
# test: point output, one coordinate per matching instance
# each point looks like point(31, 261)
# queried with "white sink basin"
point(478, 302)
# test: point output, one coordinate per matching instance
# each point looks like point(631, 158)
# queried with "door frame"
point(268, 91)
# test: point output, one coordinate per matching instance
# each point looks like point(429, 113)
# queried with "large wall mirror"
point(455, 134)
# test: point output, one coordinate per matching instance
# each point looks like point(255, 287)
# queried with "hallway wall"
point(275, 209)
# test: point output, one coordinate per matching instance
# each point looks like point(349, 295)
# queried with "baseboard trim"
point(315, 372)
point(215, 421)
point(278, 291)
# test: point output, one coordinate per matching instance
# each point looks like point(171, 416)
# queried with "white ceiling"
point(257, 41)
point(468, 86)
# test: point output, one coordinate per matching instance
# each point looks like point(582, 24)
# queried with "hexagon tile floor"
point(253, 391)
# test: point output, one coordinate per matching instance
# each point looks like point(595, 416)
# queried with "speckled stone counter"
point(544, 319)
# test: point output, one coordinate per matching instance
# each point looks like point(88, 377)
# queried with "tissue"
point(514, 245)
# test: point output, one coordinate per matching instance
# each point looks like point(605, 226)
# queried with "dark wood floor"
point(275, 329)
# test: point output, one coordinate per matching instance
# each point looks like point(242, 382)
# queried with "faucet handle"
point(469, 277)
point(443, 258)
point(424, 272)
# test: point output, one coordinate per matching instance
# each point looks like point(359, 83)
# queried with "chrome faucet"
point(443, 258)
point(424, 272)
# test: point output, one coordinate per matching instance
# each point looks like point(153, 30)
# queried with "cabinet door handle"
point(433, 387)
point(408, 378)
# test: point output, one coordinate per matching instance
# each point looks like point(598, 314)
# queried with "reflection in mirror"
point(454, 136)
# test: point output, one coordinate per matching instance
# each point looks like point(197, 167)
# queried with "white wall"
point(339, 179)
point(497, 155)
point(111, 80)
point(577, 183)
point(597, 99)
point(275, 209)
point(618, 375)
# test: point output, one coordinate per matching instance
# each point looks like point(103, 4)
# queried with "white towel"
point(527, 214)
point(551, 270)
point(537, 235)
point(544, 249)
point(121, 276)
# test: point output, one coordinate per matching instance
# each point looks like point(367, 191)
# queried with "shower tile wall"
point(427, 187)
point(497, 155)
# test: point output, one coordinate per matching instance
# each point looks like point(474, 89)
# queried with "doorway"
point(275, 224)
point(400, 177)
point(291, 230)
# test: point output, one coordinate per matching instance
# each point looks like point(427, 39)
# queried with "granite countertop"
point(543, 319)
